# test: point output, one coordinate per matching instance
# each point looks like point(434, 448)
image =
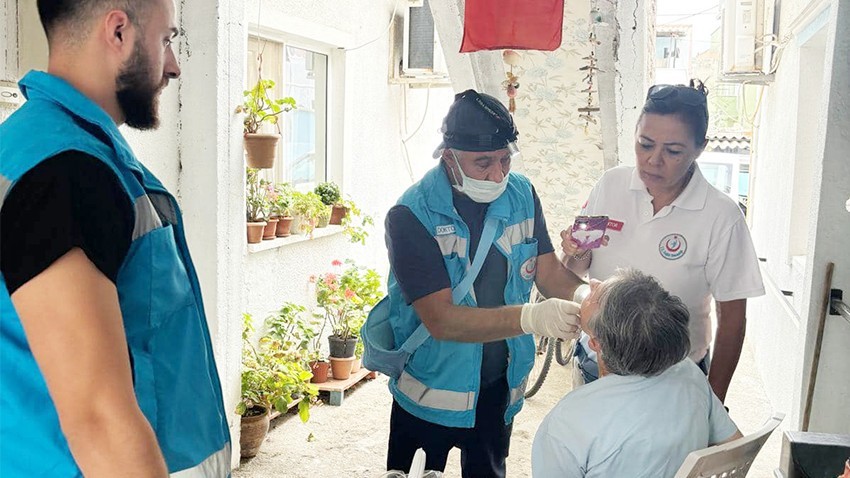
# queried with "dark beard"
point(137, 97)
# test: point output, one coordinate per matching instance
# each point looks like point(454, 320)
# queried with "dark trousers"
point(483, 449)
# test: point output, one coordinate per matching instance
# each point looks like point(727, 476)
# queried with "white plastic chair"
point(731, 459)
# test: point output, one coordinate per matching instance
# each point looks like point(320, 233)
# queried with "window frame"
point(334, 101)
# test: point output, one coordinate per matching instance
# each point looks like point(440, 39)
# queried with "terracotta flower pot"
point(255, 232)
point(320, 371)
point(341, 367)
point(254, 430)
point(284, 227)
point(270, 229)
point(356, 364)
point(261, 149)
point(337, 214)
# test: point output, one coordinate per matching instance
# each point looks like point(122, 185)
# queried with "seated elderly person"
point(651, 406)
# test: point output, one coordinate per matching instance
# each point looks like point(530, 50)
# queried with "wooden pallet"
point(337, 388)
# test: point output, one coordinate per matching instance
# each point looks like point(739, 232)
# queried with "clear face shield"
point(515, 153)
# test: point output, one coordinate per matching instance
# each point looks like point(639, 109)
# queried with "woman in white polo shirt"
point(666, 220)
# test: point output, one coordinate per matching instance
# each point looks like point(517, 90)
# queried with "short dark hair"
point(73, 13)
point(641, 328)
point(674, 101)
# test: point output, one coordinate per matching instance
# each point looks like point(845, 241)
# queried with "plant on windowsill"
point(329, 192)
point(324, 217)
point(271, 218)
point(260, 108)
point(256, 206)
point(280, 199)
point(309, 207)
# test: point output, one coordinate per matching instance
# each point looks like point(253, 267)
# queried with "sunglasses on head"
point(681, 93)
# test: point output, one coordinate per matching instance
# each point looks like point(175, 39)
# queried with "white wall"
point(8, 48)
point(562, 155)
point(784, 327)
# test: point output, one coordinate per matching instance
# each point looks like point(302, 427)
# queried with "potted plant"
point(281, 203)
point(269, 231)
point(274, 375)
point(345, 299)
point(329, 192)
point(308, 207)
point(260, 108)
point(256, 204)
point(324, 217)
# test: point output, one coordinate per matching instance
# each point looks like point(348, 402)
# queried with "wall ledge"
point(294, 239)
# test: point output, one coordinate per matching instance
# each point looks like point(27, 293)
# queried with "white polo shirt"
point(630, 426)
point(698, 247)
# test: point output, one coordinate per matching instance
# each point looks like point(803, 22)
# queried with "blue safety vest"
point(175, 377)
point(441, 381)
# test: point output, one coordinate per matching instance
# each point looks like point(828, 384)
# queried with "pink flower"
point(329, 278)
point(336, 263)
point(333, 286)
point(349, 294)
point(312, 278)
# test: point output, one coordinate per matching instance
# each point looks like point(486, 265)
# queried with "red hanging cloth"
point(514, 24)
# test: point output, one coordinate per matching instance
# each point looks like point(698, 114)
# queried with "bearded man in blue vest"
point(107, 366)
point(463, 386)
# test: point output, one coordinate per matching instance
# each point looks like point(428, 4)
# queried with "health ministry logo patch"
point(529, 269)
point(673, 246)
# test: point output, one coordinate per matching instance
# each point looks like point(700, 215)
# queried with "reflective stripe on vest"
point(425, 396)
point(516, 234)
point(146, 217)
point(518, 393)
point(452, 244)
point(217, 464)
point(5, 184)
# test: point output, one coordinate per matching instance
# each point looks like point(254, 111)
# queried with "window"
point(301, 73)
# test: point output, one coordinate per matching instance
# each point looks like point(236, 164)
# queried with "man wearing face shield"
point(463, 386)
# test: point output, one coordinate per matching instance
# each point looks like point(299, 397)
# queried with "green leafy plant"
point(329, 192)
point(259, 107)
point(355, 224)
point(256, 197)
point(280, 199)
point(274, 373)
point(346, 295)
point(324, 214)
point(310, 207)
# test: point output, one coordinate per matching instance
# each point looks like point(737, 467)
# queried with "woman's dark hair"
point(687, 102)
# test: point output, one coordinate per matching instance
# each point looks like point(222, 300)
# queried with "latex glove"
point(553, 318)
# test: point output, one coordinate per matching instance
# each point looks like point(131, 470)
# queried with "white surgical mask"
point(480, 191)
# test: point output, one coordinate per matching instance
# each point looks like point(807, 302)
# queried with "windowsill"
point(294, 239)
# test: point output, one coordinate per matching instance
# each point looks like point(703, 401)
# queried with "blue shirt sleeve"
point(415, 257)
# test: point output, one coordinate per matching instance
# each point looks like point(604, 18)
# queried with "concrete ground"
point(350, 441)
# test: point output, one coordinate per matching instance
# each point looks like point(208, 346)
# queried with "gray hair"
point(641, 328)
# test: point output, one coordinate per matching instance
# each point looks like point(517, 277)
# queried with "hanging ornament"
point(590, 70)
point(511, 84)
